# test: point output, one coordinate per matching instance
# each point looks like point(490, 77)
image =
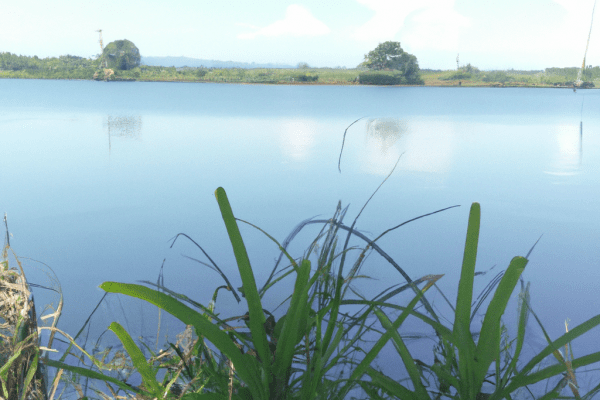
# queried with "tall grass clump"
point(21, 373)
point(307, 353)
point(319, 350)
point(326, 343)
point(463, 364)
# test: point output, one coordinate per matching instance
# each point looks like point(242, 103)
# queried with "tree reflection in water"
point(381, 150)
point(385, 131)
point(123, 127)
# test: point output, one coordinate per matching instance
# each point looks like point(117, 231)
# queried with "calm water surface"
point(96, 178)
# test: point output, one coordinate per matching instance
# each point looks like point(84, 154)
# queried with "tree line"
point(387, 64)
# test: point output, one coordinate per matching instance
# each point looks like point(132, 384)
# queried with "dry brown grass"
point(20, 375)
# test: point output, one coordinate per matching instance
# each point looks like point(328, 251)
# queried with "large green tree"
point(390, 56)
point(122, 54)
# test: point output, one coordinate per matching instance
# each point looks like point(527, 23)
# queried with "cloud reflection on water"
point(297, 138)
point(426, 146)
point(568, 150)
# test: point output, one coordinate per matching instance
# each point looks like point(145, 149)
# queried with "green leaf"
point(489, 339)
point(335, 308)
point(392, 387)
point(462, 320)
point(523, 313)
point(137, 358)
point(295, 324)
point(190, 317)
point(523, 378)
point(409, 363)
point(370, 356)
point(549, 372)
point(5, 369)
point(443, 375)
point(30, 373)
point(204, 396)
point(92, 374)
point(255, 309)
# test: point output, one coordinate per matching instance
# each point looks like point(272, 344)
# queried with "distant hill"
point(197, 62)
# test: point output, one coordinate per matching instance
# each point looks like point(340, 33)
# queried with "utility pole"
point(457, 67)
point(102, 60)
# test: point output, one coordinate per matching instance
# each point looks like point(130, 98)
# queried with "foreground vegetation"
point(71, 67)
point(316, 350)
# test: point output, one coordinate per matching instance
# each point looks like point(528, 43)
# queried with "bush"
point(307, 78)
point(456, 76)
point(380, 78)
point(122, 54)
point(497, 76)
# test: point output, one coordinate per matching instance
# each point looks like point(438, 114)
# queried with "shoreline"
point(453, 85)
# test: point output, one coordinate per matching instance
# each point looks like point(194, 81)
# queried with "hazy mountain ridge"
point(197, 62)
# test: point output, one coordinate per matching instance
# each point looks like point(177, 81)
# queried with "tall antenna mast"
point(580, 74)
point(102, 60)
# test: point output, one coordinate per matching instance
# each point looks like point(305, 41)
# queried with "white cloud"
point(437, 23)
point(298, 21)
point(581, 7)
point(575, 26)
point(438, 27)
point(388, 19)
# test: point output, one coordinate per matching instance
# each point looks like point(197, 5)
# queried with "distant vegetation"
point(63, 67)
point(179, 62)
point(73, 67)
point(400, 67)
point(122, 54)
point(471, 76)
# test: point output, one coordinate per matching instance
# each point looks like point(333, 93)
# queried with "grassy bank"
point(317, 349)
point(473, 77)
point(71, 67)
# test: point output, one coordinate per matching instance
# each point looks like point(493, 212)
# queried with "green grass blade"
point(523, 313)
point(489, 339)
point(561, 341)
point(548, 372)
point(137, 358)
point(392, 387)
point(441, 329)
point(444, 375)
point(281, 248)
point(333, 344)
point(370, 356)
point(409, 362)
point(204, 396)
point(335, 308)
point(255, 309)
point(369, 389)
point(190, 317)
point(462, 320)
point(92, 374)
point(297, 314)
point(523, 378)
point(30, 374)
point(6, 367)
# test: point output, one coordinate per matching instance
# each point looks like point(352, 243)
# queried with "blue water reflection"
point(96, 178)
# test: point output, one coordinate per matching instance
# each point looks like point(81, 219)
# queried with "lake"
point(96, 178)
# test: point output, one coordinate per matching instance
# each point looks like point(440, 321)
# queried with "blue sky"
point(490, 34)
